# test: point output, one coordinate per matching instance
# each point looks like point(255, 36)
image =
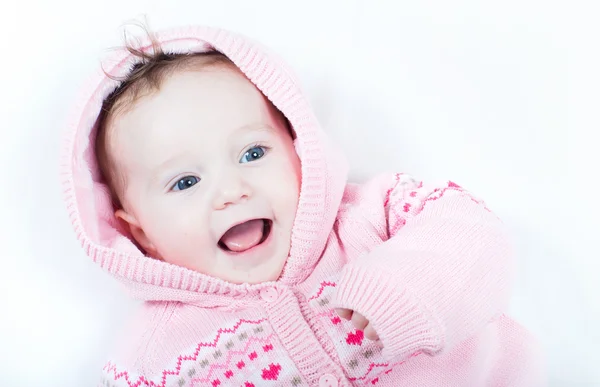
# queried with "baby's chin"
point(262, 263)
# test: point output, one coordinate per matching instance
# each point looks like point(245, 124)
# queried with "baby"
point(198, 176)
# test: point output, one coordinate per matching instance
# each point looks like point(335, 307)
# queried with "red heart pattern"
point(268, 347)
point(355, 338)
point(272, 373)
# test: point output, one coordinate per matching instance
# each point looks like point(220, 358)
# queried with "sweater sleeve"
point(439, 278)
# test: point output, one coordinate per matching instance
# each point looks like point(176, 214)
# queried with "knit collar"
point(87, 198)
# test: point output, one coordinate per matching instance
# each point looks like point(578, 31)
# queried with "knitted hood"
point(88, 199)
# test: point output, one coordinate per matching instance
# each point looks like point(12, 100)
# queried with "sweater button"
point(328, 380)
point(269, 294)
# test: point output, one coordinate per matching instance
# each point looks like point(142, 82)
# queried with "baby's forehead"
point(143, 89)
point(208, 97)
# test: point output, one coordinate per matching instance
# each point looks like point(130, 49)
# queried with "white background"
point(502, 97)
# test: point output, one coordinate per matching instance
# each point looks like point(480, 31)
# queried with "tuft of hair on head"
point(152, 66)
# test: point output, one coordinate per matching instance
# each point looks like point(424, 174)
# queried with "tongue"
point(244, 236)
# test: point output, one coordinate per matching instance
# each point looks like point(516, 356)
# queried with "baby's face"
point(212, 176)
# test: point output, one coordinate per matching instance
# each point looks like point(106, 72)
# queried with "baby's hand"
point(359, 321)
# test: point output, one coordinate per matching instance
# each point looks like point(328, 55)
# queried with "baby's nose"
point(231, 191)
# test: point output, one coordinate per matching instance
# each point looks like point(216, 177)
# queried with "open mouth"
point(245, 236)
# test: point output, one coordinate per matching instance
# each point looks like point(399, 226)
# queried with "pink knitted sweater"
point(429, 266)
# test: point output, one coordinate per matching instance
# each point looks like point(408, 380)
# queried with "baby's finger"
point(370, 333)
point(344, 313)
point(359, 321)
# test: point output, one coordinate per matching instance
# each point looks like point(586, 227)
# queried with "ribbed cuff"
point(403, 324)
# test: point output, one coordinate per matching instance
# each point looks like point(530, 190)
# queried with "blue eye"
point(253, 154)
point(185, 183)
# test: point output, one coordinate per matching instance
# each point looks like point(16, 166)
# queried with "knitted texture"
point(429, 266)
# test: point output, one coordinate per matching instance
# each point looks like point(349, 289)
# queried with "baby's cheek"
point(187, 250)
point(183, 239)
point(284, 184)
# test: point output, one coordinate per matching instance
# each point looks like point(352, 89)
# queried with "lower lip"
point(256, 251)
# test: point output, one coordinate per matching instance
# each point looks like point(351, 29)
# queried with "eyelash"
point(175, 185)
point(257, 145)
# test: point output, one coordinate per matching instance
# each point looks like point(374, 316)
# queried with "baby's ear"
point(138, 233)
